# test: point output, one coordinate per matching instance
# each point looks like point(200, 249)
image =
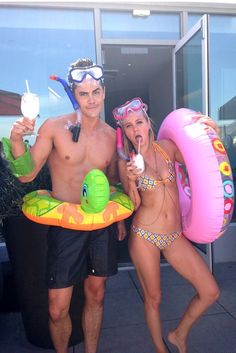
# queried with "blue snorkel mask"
point(77, 75)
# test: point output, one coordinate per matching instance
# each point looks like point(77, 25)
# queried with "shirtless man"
point(68, 162)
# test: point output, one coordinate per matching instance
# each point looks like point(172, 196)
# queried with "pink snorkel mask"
point(134, 105)
point(120, 113)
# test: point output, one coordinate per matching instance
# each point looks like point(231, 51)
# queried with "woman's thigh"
point(185, 259)
point(146, 259)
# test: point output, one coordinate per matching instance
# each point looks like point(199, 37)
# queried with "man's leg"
point(59, 319)
point(94, 289)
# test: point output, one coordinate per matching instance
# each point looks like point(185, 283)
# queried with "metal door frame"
point(201, 25)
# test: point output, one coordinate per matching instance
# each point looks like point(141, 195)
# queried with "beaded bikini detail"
point(159, 239)
point(146, 182)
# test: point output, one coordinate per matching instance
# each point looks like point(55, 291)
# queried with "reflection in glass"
point(193, 18)
point(223, 68)
point(189, 74)
point(223, 82)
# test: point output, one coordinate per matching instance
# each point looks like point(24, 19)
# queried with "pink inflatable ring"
point(206, 190)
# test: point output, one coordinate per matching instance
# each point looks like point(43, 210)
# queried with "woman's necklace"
point(155, 169)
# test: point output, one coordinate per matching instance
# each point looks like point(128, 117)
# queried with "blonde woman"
point(156, 225)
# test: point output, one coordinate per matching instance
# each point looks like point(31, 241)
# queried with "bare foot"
point(177, 341)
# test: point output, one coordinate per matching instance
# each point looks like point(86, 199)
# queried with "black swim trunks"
point(74, 254)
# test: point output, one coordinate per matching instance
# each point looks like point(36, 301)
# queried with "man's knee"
point(57, 312)
point(59, 305)
point(94, 289)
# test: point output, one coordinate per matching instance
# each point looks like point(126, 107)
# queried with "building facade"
point(171, 54)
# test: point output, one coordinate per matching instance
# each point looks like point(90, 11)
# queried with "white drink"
point(30, 105)
point(139, 162)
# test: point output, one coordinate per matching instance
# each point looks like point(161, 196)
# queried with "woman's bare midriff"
point(166, 217)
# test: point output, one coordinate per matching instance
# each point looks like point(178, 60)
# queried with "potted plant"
point(26, 244)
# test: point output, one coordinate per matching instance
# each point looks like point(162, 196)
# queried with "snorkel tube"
point(119, 144)
point(75, 129)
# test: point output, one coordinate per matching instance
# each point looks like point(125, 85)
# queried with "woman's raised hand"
point(208, 121)
point(132, 171)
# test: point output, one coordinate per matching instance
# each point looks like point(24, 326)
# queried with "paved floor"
point(124, 329)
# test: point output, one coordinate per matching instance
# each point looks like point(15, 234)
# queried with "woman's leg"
point(188, 263)
point(146, 259)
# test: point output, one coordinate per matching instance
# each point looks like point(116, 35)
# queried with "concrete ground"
point(124, 329)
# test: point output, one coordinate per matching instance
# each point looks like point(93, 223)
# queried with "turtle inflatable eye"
point(84, 192)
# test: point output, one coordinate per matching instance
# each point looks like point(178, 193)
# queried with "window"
point(192, 19)
point(222, 81)
point(36, 43)
point(163, 26)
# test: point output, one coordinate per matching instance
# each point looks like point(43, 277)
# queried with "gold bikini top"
point(146, 182)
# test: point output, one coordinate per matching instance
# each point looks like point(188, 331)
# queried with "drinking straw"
point(27, 86)
point(139, 143)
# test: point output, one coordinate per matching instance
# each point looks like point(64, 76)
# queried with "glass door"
point(190, 60)
point(190, 69)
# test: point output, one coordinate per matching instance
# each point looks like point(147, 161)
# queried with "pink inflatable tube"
point(206, 191)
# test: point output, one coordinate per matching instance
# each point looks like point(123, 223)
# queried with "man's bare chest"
point(89, 153)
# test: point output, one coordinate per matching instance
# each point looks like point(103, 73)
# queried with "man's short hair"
point(80, 63)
